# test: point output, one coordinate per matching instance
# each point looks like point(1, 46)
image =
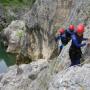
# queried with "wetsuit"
point(75, 49)
point(68, 34)
point(63, 39)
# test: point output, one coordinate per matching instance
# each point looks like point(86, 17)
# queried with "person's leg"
point(61, 47)
point(73, 62)
point(72, 56)
point(77, 60)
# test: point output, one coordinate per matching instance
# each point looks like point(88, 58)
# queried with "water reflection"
point(3, 67)
point(9, 59)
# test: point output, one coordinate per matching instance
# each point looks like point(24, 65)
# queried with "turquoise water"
point(8, 58)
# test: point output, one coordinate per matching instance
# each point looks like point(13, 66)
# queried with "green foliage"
point(18, 3)
point(20, 34)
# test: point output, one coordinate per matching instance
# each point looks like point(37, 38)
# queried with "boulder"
point(14, 34)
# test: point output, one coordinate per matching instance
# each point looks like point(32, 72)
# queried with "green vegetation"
point(20, 34)
point(18, 3)
point(15, 6)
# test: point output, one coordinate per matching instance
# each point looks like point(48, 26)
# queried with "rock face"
point(74, 78)
point(40, 76)
point(42, 21)
point(38, 21)
point(7, 14)
point(49, 75)
point(3, 21)
point(24, 79)
point(53, 74)
point(14, 34)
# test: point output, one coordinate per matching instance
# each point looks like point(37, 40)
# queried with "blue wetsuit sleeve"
point(69, 31)
point(85, 39)
point(76, 42)
point(57, 38)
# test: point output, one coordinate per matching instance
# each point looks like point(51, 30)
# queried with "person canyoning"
point(61, 39)
point(75, 52)
point(69, 32)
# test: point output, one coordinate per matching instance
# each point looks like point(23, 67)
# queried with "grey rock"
point(41, 21)
point(73, 78)
point(54, 74)
point(14, 34)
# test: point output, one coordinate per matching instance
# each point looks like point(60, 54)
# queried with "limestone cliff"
point(54, 74)
point(41, 22)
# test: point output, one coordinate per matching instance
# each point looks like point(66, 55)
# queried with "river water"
point(6, 59)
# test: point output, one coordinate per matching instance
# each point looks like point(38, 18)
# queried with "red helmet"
point(71, 27)
point(80, 28)
point(61, 31)
point(82, 25)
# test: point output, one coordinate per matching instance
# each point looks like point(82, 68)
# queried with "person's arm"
point(69, 31)
point(76, 42)
point(57, 38)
